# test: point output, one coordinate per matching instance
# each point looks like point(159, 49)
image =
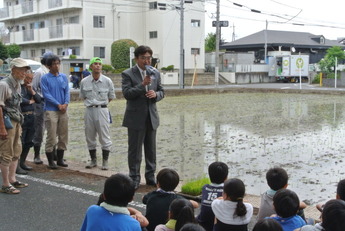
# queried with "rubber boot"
point(37, 159)
point(54, 154)
point(105, 155)
point(93, 161)
point(23, 155)
point(60, 160)
point(51, 163)
point(20, 171)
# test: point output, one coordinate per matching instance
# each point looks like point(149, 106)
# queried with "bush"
point(168, 68)
point(118, 71)
point(107, 68)
point(194, 188)
point(120, 53)
point(72, 56)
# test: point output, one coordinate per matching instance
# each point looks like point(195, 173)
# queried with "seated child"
point(267, 225)
point(181, 212)
point(231, 213)
point(333, 218)
point(113, 214)
point(286, 204)
point(277, 178)
point(340, 194)
point(158, 201)
point(218, 172)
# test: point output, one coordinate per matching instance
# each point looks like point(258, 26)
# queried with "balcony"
point(59, 33)
point(30, 8)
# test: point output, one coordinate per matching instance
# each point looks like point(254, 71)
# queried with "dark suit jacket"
point(138, 105)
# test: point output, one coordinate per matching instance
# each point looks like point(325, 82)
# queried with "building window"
point(153, 34)
point(59, 51)
point(195, 23)
point(152, 5)
point(74, 20)
point(99, 52)
point(195, 51)
point(33, 53)
point(322, 40)
point(98, 21)
point(74, 51)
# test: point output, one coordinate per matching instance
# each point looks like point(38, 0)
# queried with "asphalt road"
point(54, 200)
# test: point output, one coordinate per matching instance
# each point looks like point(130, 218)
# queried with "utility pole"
point(216, 72)
point(181, 71)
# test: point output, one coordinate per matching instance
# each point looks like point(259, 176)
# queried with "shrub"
point(120, 53)
point(107, 68)
point(72, 56)
point(168, 68)
point(194, 187)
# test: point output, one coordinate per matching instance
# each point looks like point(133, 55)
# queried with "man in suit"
point(142, 90)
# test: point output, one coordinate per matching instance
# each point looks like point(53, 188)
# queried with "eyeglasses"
point(143, 57)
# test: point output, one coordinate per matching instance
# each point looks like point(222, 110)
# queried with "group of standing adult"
point(43, 105)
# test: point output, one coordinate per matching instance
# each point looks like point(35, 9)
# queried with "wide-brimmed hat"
point(19, 62)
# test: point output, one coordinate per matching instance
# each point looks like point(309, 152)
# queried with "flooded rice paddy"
point(251, 132)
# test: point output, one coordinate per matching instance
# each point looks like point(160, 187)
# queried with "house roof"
point(282, 38)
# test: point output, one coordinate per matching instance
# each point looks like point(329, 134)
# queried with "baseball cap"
point(19, 62)
point(95, 60)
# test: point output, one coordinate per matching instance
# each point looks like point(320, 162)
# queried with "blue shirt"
point(98, 218)
point(55, 91)
point(290, 223)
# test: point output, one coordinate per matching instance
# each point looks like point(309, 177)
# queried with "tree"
point(13, 50)
point(327, 64)
point(3, 52)
point(120, 53)
point(210, 42)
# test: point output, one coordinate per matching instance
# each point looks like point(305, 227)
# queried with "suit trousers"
point(136, 139)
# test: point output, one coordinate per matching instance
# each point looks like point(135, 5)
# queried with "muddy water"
point(251, 132)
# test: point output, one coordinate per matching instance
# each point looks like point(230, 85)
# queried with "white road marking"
point(75, 189)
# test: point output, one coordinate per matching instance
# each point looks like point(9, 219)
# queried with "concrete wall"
point(331, 82)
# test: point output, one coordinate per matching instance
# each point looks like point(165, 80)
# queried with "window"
point(59, 51)
point(153, 34)
point(33, 53)
point(74, 20)
point(99, 52)
point(195, 51)
point(152, 5)
point(75, 50)
point(195, 23)
point(98, 21)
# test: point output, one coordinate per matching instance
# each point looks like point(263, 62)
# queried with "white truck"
point(289, 68)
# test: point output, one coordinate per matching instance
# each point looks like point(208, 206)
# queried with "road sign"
point(221, 23)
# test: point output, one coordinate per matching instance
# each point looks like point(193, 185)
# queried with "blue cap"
point(47, 54)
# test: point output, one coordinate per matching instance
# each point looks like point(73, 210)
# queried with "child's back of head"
point(118, 190)
point(267, 225)
point(286, 203)
point(235, 190)
point(341, 190)
point(182, 211)
point(168, 179)
point(333, 216)
point(277, 178)
point(218, 172)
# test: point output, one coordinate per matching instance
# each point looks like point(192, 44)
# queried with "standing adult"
point(97, 90)
point(55, 91)
point(142, 90)
point(85, 73)
point(39, 107)
point(10, 143)
point(29, 97)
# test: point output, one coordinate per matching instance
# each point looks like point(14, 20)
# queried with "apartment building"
point(87, 28)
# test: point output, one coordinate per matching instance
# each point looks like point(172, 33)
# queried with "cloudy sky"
point(318, 17)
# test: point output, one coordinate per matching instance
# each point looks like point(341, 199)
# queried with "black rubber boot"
point(37, 159)
point(20, 171)
point(105, 155)
point(93, 161)
point(60, 160)
point(51, 163)
point(23, 155)
point(54, 154)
